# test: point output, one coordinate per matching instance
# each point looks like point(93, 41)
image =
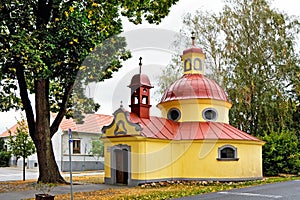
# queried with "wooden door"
point(121, 166)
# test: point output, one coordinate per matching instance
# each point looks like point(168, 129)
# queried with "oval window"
point(174, 114)
point(209, 114)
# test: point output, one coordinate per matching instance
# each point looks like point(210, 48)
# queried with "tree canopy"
point(43, 44)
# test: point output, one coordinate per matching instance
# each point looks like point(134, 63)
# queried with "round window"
point(174, 114)
point(209, 114)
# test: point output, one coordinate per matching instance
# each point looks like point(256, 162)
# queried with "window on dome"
point(227, 152)
point(187, 65)
point(197, 64)
point(174, 114)
point(209, 114)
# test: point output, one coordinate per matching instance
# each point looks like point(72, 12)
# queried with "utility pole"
point(70, 158)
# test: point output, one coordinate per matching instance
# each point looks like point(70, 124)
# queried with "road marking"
point(252, 194)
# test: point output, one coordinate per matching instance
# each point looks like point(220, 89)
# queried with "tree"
point(43, 44)
point(281, 153)
point(97, 149)
point(253, 56)
point(261, 62)
point(20, 143)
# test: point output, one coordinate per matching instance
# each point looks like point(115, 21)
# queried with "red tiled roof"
point(93, 123)
point(162, 128)
point(7, 134)
point(194, 86)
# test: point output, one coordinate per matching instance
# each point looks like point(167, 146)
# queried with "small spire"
point(121, 104)
point(140, 64)
point(193, 38)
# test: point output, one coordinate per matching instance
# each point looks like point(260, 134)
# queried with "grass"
point(161, 190)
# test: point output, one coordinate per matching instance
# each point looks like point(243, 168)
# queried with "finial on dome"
point(121, 104)
point(140, 64)
point(193, 38)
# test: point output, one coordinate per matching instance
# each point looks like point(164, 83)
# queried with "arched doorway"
point(121, 169)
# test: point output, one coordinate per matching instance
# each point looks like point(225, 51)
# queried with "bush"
point(4, 158)
point(280, 153)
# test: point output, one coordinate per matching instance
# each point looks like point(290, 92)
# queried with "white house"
point(83, 135)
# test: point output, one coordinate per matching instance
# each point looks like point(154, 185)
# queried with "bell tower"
point(140, 94)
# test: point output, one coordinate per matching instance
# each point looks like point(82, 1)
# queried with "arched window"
point(187, 65)
point(197, 64)
point(227, 152)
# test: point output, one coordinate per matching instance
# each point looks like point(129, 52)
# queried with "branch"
point(62, 110)
point(25, 100)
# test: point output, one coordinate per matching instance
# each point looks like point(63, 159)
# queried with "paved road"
point(16, 173)
point(285, 190)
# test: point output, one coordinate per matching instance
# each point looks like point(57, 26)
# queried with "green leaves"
point(281, 153)
point(97, 149)
point(47, 42)
point(20, 143)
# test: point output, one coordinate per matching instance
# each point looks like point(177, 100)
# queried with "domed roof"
point(192, 86)
point(140, 79)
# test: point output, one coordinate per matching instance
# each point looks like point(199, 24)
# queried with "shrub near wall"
point(4, 158)
point(281, 153)
point(4, 155)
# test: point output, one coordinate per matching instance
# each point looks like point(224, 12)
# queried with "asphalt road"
point(16, 173)
point(289, 190)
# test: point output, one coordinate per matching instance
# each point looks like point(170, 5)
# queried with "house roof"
point(194, 86)
point(93, 123)
point(161, 128)
point(7, 134)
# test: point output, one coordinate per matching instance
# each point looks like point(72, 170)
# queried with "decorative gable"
point(121, 125)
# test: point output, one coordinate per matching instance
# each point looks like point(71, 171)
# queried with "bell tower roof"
point(140, 94)
point(140, 79)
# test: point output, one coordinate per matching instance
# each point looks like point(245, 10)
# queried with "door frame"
point(113, 171)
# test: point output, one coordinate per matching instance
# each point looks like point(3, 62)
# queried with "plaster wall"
point(191, 109)
point(154, 159)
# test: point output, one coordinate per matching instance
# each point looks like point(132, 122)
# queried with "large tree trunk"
point(48, 169)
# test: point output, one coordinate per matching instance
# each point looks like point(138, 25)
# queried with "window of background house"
point(76, 146)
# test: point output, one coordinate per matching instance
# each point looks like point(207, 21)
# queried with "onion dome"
point(140, 79)
point(192, 86)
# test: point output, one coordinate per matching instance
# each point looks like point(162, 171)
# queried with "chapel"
point(192, 140)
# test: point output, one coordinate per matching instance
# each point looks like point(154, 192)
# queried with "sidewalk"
point(57, 190)
point(15, 173)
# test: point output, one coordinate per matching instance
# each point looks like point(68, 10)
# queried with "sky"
point(153, 44)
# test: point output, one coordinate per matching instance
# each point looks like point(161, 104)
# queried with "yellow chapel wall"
point(155, 159)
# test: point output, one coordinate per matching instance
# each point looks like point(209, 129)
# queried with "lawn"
point(163, 190)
